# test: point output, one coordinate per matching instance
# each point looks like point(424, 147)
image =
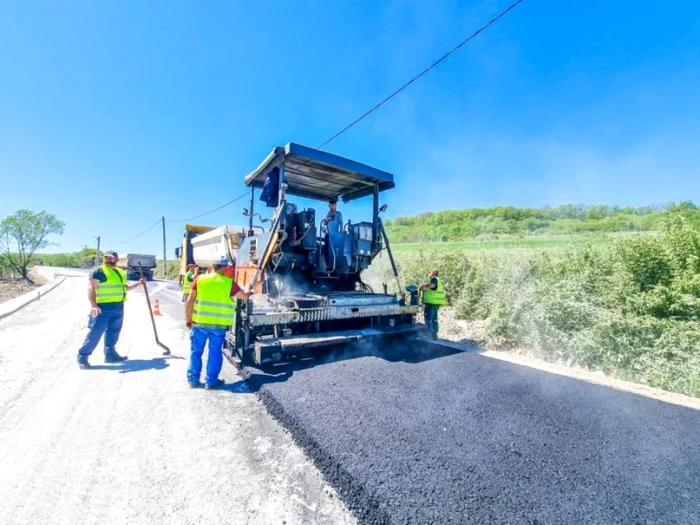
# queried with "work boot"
point(195, 385)
point(83, 362)
point(113, 357)
point(218, 384)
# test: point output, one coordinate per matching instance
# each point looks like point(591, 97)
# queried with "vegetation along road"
point(402, 434)
point(395, 435)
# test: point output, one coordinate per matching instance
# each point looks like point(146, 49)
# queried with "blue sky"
point(113, 114)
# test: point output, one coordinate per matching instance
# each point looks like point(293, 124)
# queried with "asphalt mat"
point(424, 434)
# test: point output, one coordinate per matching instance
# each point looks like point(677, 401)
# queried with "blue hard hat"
point(222, 261)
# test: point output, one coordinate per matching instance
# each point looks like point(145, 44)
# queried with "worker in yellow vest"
point(107, 294)
point(210, 311)
point(187, 280)
point(433, 299)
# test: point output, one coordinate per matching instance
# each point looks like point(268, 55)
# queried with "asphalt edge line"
point(34, 295)
point(355, 495)
point(580, 374)
point(595, 378)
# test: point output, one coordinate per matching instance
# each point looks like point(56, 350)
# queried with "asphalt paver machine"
point(307, 273)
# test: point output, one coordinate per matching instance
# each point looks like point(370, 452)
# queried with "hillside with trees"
point(459, 225)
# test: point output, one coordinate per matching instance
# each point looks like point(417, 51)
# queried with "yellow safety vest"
point(187, 281)
point(214, 307)
point(113, 290)
point(436, 296)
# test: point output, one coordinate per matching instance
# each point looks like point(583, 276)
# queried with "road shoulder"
point(15, 304)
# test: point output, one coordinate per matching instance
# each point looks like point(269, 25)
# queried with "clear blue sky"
point(113, 114)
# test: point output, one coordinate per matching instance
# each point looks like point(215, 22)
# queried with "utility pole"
point(97, 253)
point(165, 268)
point(252, 203)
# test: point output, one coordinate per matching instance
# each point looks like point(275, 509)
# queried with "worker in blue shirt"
point(334, 219)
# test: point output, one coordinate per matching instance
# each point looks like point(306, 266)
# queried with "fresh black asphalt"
point(427, 435)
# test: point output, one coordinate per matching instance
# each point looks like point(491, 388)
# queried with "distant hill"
point(458, 225)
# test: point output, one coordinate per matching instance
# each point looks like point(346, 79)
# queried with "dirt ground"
point(11, 288)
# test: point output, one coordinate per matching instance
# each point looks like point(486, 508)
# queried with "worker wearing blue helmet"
point(210, 311)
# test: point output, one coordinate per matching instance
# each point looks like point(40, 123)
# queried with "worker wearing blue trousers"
point(107, 293)
point(210, 311)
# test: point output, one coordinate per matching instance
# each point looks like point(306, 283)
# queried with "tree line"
point(457, 225)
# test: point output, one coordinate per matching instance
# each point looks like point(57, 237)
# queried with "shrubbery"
point(628, 306)
point(83, 259)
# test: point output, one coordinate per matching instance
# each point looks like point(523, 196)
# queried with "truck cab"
point(135, 263)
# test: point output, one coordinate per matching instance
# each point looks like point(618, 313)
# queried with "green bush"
point(172, 272)
point(627, 305)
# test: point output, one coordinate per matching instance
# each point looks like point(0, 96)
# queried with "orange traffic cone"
point(156, 308)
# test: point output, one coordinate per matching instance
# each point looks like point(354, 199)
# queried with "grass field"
point(533, 242)
point(490, 244)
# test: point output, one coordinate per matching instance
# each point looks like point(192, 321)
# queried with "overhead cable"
point(140, 234)
point(366, 113)
point(211, 211)
point(411, 81)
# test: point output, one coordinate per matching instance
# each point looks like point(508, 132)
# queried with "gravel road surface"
point(423, 435)
point(130, 443)
point(404, 435)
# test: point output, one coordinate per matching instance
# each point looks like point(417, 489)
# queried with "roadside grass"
point(172, 269)
point(628, 305)
point(513, 242)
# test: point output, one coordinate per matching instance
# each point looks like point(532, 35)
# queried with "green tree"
point(24, 233)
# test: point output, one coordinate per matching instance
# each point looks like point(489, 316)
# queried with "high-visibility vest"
point(113, 290)
point(187, 281)
point(436, 296)
point(214, 306)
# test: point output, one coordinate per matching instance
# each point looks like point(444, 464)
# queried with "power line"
point(140, 234)
point(211, 211)
point(431, 66)
point(386, 99)
point(361, 117)
point(184, 220)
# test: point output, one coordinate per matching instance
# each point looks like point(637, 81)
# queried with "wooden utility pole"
point(165, 267)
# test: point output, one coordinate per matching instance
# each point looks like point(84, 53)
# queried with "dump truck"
point(308, 281)
point(202, 245)
point(184, 252)
point(222, 241)
point(129, 262)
